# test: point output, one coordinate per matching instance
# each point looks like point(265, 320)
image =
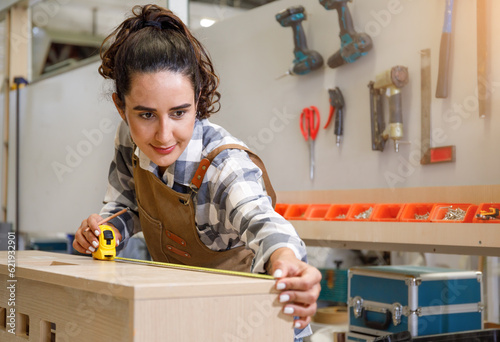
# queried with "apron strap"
point(205, 163)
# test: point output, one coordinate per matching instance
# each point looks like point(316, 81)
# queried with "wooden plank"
point(20, 42)
point(6, 119)
point(483, 59)
point(475, 194)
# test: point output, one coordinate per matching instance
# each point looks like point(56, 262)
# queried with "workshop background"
point(68, 122)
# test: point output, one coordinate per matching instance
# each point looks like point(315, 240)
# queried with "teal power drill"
point(353, 45)
point(305, 60)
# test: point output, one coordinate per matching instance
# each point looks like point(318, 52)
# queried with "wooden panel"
point(78, 315)
point(128, 280)
point(81, 299)
point(231, 318)
point(456, 194)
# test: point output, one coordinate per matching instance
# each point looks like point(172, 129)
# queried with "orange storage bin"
point(410, 211)
point(486, 207)
point(441, 209)
point(387, 212)
point(317, 211)
point(338, 212)
point(296, 211)
point(358, 209)
point(281, 208)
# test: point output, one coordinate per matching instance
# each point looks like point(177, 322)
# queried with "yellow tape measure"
point(195, 268)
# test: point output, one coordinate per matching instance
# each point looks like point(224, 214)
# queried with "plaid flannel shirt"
point(231, 208)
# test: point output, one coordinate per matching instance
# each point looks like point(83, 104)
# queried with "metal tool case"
point(421, 300)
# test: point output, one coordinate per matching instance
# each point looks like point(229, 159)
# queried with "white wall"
point(251, 51)
point(67, 131)
point(64, 167)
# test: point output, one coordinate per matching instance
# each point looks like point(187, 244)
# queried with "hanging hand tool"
point(305, 60)
point(376, 118)
point(353, 45)
point(444, 53)
point(309, 126)
point(337, 110)
point(436, 154)
point(390, 82)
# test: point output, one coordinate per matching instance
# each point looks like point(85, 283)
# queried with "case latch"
point(357, 306)
point(397, 312)
point(360, 307)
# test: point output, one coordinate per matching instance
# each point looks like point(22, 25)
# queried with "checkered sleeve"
point(120, 192)
point(239, 191)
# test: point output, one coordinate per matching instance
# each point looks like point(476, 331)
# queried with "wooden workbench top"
point(129, 280)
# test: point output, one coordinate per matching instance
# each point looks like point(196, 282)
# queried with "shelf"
point(447, 238)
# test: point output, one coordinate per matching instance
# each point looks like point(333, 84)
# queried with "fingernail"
point(288, 310)
point(96, 232)
point(92, 249)
point(280, 286)
point(95, 244)
point(88, 252)
point(297, 325)
point(117, 242)
point(278, 273)
point(284, 298)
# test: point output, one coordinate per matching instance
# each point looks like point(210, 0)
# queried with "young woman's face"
point(160, 111)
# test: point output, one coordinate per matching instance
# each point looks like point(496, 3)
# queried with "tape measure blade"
point(198, 269)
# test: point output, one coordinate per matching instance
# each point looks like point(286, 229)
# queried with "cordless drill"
point(353, 44)
point(390, 82)
point(305, 60)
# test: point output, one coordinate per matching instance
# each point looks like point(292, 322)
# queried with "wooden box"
point(61, 297)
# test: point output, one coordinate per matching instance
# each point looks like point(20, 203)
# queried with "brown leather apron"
point(168, 219)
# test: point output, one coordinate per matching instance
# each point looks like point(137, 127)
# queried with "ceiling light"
point(206, 22)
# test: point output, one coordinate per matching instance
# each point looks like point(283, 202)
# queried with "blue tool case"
point(422, 300)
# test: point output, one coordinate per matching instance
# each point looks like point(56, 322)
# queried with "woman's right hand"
point(86, 237)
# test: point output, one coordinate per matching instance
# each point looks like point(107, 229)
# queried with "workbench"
point(62, 297)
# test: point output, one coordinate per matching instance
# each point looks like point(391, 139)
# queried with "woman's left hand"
point(299, 283)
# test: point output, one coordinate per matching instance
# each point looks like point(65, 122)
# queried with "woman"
point(199, 196)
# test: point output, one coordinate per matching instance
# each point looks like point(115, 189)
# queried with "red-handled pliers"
point(309, 126)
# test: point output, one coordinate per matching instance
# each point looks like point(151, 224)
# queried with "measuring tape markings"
point(195, 268)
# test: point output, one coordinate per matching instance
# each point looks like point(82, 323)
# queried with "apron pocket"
point(152, 230)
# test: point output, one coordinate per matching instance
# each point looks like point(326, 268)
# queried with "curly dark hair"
point(154, 39)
